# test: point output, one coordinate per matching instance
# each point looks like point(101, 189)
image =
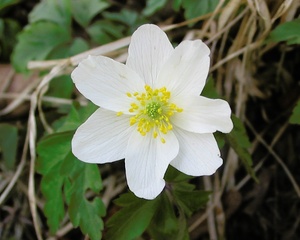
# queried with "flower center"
point(152, 111)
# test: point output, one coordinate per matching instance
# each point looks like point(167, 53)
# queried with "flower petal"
point(102, 138)
point(202, 115)
point(146, 162)
point(148, 51)
point(186, 70)
point(105, 82)
point(198, 154)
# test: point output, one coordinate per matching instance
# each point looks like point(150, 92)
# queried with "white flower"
point(151, 113)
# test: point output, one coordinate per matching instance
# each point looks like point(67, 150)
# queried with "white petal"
point(186, 70)
point(146, 162)
point(105, 82)
point(202, 115)
point(148, 51)
point(198, 154)
point(102, 138)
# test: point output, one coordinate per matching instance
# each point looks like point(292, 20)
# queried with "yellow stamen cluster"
point(153, 111)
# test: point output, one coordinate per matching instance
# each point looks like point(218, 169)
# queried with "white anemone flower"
point(150, 111)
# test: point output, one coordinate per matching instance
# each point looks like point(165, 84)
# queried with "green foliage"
point(57, 84)
point(194, 8)
point(164, 217)
point(129, 19)
point(133, 219)
point(176, 4)
point(9, 28)
point(239, 141)
point(210, 89)
point(49, 165)
point(288, 31)
point(36, 43)
point(153, 6)
point(165, 224)
point(104, 31)
point(84, 11)
point(8, 144)
point(50, 34)
point(62, 171)
point(84, 213)
point(56, 11)
point(295, 118)
point(6, 3)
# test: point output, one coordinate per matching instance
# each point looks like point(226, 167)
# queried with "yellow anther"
point(119, 113)
point(152, 110)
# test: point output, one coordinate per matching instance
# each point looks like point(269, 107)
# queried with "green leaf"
point(194, 8)
point(77, 115)
point(8, 144)
point(57, 11)
point(295, 118)
point(83, 10)
point(288, 31)
point(62, 171)
point(61, 87)
point(190, 200)
point(126, 16)
point(210, 90)
point(239, 141)
point(36, 42)
point(84, 213)
point(104, 31)
point(67, 49)
point(52, 150)
point(174, 176)
point(133, 219)
point(153, 6)
point(165, 224)
point(6, 3)
point(177, 4)
point(9, 29)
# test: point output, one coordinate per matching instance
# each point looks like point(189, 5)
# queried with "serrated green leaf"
point(295, 118)
point(77, 115)
point(194, 8)
point(8, 144)
point(165, 224)
point(52, 150)
point(133, 219)
point(153, 6)
point(83, 10)
point(57, 11)
point(84, 213)
point(51, 187)
point(190, 200)
point(288, 31)
point(36, 42)
point(61, 170)
point(239, 141)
